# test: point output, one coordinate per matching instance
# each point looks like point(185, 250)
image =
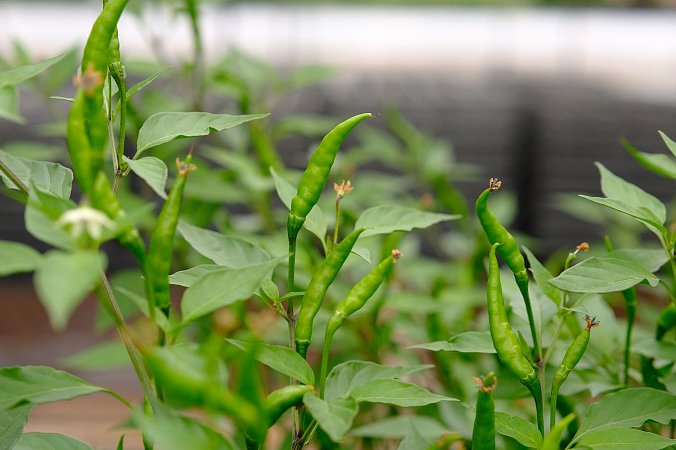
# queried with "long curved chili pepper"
point(316, 290)
point(161, 247)
point(355, 299)
point(508, 251)
point(86, 132)
point(570, 360)
point(506, 343)
point(277, 402)
point(483, 434)
point(314, 178)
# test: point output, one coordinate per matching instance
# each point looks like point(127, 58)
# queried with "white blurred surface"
point(631, 50)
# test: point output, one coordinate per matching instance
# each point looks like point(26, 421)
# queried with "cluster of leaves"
point(222, 348)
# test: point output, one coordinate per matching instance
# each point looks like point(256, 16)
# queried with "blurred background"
point(532, 92)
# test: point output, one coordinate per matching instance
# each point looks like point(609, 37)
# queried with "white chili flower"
point(85, 218)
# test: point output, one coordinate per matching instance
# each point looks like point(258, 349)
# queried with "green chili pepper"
point(316, 290)
point(570, 360)
point(508, 251)
point(314, 178)
point(277, 402)
point(86, 128)
point(186, 389)
point(506, 343)
point(161, 245)
point(483, 435)
point(355, 299)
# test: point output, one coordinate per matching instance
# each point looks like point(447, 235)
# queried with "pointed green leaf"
point(603, 274)
point(141, 84)
point(151, 170)
point(167, 126)
point(628, 408)
point(315, 221)
point(18, 75)
point(523, 431)
point(386, 219)
point(172, 431)
point(49, 441)
point(9, 105)
point(350, 374)
point(12, 423)
point(120, 443)
point(225, 287)
point(640, 213)
point(64, 279)
point(39, 384)
point(650, 259)
point(660, 164)
point(48, 176)
point(17, 258)
point(468, 342)
point(282, 359)
point(334, 417)
point(671, 145)
point(395, 392)
point(41, 216)
point(624, 438)
point(542, 277)
point(398, 427)
point(187, 278)
point(227, 251)
point(100, 357)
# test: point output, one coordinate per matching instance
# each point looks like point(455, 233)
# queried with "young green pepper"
point(506, 343)
point(86, 132)
point(483, 434)
point(355, 299)
point(508, 251)
point(161, 247)
point(570, 360)
point(316, 290)
point(277, 402)
point(314, 178)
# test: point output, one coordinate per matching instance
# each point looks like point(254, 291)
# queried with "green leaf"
point(223, 288)
point(603, 274)
point(659, 164)
point(624, 438)
point(335, 416)
point(363, 253)
point(398, 427)
point(47, 176)
point(650, 259)
point(628, 408)
point(100, 357)
point(542, 277)
point(39, 384)
point(227, 251)
point(653, 349)
point(41, 215)
point(671, 145)
point(141, 84)
point(308, 125)
point(386, 219)
point(151, 170)
point(12, 423)
point(49, 441)
point(166, 126)
point(18, 75)
point(616, 188)
point(64, 279)
point(9, 105)
point(17, 258)
point(524, 432)
point(640, 213)
point(187, 278)
point(414, 440)
point(348, 375)
point(282, 359)
point(468, 342)
point(315, 222)
point(395, 392)
point(120, 443)
point(171, 431)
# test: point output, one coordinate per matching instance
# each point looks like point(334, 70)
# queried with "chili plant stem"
point(335, 230)
point(630, 305)
point(112, 307)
